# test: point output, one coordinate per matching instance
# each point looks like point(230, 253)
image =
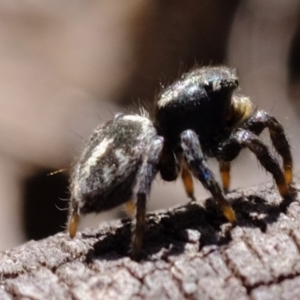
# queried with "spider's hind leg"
point(196, 162)
point(257, 123)
point(146, 175)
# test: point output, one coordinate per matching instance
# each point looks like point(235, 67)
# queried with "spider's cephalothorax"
point(197, 116)
point(202, 115)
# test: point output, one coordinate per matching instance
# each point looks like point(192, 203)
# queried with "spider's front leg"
point(243, 138)
point(196, 162)
point(257, 123)
point(171, 164)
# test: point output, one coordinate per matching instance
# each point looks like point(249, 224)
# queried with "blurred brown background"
point(67, 66)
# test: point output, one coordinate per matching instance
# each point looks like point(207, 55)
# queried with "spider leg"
point(244, 138)
point(130, 208)
point(257, 123)
point(73, 223)
point(187, 180)
point(137, 243)
point(145, 178)
point(169, 164)
point(195, 160)
point(224, 167)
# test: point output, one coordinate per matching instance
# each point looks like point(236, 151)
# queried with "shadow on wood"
point(191, 252)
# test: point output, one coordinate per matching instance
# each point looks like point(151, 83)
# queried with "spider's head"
point(215, 80)
point(200, 86)
point(199, 100)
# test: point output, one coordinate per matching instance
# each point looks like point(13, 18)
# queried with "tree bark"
point(191, 252)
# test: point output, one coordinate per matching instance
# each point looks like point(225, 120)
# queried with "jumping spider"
point(200, 115)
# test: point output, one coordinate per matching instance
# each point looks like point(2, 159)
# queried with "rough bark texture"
point(190, 253)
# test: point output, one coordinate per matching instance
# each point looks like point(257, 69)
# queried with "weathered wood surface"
point(191, 253)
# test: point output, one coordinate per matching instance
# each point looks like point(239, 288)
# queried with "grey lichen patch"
point(40, 282)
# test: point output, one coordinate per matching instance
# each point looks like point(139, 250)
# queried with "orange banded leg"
point(261, 120)
point(282, 146)
point(73, 224)
point(130, 208)
point(198, 165)
point(226, 208)
point(288, 173)
point(188, 182)
point(245, 138)
point(225, 175)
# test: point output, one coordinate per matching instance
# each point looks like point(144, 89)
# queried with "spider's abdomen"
point(107, 171)
point(198, 101)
